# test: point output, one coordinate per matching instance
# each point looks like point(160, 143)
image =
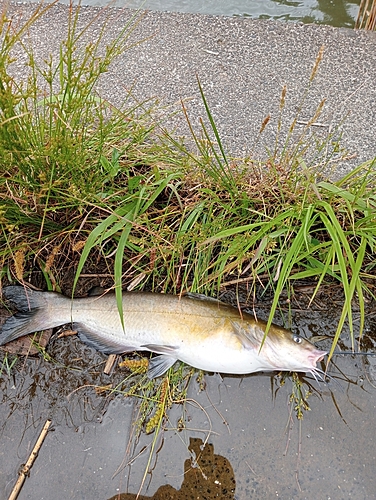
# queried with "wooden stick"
point(110, 363)
point(25, 470)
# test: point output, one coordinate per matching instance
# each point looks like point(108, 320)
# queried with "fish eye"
point(297, 339)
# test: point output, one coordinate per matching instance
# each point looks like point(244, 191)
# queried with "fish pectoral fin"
point(159, 365)
point(248, 341)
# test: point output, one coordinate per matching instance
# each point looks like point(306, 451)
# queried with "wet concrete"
point(248, 421)
point(242, 65)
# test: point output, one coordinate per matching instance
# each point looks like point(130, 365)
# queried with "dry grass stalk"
point(264, 124)
point(78, 246)
point(51, 258)
point(283, 97)
point(367, 16)
point(312, 121)
point(19, 261)
point(25, 471)
point(317, 63)
point(110, 363)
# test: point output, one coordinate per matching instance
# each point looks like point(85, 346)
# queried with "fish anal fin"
point(106, 345)
point(159, 365)
point(169, 350)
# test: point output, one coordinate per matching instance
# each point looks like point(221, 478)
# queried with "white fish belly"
point(223, 357)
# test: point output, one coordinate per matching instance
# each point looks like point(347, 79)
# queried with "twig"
point(110, 363)
point(25, 470)
point(315, 124)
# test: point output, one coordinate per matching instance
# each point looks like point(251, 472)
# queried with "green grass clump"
point(80, 177)
point(60, 142)
point(7, 364)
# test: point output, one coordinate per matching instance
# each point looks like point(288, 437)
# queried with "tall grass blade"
point(213, 125)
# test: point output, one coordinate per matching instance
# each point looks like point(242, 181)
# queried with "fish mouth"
point(317, 356)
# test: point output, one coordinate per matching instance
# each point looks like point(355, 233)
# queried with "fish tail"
point(24, 299)
point(33, 313)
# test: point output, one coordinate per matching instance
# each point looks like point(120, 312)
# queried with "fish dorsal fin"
point(201, 296)
point(95, 291)
point(248, 339)
point(159, 365)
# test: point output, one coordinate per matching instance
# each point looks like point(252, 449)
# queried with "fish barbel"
point(202, 332)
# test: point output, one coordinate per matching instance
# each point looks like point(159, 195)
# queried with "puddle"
point(206, 476)
point(240, 433)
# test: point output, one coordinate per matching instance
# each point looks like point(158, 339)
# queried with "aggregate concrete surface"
point(330, 454)
point(242, 65)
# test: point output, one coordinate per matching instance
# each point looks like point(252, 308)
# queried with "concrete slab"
point(242, 65)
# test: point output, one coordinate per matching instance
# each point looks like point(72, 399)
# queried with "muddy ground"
point(240, 438)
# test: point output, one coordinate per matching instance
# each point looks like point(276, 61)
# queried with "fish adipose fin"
point(96, 340)
point(159, 365)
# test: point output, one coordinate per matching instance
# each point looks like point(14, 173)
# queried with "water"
point(340, 13)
